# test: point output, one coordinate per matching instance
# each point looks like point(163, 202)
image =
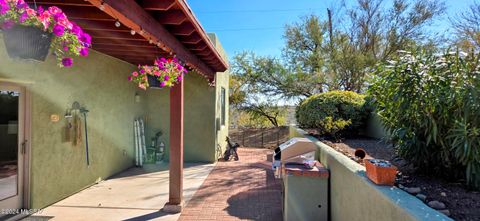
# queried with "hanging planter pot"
point(27, 42)
point(153, 82)
point(164, 73)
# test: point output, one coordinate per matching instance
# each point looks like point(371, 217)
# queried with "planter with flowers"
point(30, 33)
point(164, 73)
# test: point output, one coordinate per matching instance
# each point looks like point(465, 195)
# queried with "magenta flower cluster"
point(69, 39)
point(166, 71)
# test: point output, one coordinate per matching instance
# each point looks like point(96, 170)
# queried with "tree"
point(320, 55)
point(251, 94)
point(467, 27)
point(373, 33)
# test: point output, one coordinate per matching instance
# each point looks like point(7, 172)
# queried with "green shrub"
point(430, 106)
point(333, 113)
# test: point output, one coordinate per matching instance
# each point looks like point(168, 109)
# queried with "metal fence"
point(259, 137)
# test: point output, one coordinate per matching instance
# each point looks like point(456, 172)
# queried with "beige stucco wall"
point(354, 197)
point(98, 82)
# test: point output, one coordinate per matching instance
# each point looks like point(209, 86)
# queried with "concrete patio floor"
point(135, 194)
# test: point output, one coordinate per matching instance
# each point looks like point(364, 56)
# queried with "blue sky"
point(257, 25)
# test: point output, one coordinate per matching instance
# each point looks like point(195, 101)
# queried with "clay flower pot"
point(380, 172)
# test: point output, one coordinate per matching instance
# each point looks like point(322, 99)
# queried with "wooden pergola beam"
point(198, 47)
point(173, 17)
point(100, 25)
point(134, 16)
point(60, 3)
point(86, 13)
point(185, 29)
point(156, 5)
point(122, 43)
point(191, 17)
point(105, 34)
point(191, 39)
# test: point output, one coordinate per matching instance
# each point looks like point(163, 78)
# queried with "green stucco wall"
point(354, 197)
point(204, 140)
point(98, 82)
point(222, 81)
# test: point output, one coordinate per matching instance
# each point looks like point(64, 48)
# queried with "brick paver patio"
point(241, 190)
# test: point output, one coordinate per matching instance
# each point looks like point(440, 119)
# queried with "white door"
point(12, 146)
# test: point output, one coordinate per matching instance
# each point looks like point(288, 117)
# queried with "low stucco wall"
point(354, 197)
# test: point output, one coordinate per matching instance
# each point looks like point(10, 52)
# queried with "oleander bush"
point(333, 113)
point(430, 106)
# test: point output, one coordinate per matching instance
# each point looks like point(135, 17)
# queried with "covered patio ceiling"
point(149, 29)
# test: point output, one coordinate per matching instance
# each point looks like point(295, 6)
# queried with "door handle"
point(24, 146)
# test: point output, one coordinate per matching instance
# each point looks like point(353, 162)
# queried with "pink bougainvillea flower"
point(23, 17)
point(142, 71)
point(54, 10)
point(85, 38)
point(4, 7)
point(162, 84)
point(40, 10)
point(67, 62)
point(30, 12)
point(58, 30)
point(135, 74)
point(44, 19)
point(157, 73)
point(129, 78)
point(8, 24)
point(166, 78)
point(76, 30)
point(63, 21)
point(21, 5)
point(179, 78)
point(84, 52)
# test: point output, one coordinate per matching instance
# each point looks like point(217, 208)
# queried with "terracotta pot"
point(381, 175)
point(26, 42)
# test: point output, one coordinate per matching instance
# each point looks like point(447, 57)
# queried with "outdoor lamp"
point(137, 98)
point(161, 147)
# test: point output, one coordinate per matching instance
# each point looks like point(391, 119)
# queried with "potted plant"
point(381, 172)
point(30, 33)
point(164, 73)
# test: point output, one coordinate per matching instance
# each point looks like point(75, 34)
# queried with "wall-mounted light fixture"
point(137, 98)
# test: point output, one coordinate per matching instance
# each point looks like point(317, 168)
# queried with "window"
point(222, 103)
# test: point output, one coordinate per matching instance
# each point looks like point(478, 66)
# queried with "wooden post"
point(175, 200)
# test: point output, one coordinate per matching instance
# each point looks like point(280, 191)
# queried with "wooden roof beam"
point(191, 39)
point(115, 35)
point(100, 26)
point(156, 5)
point(85, 13)
point(198, 47)
point(173, 17)
point(183, 29)
point(134, 16)
point(61, 3)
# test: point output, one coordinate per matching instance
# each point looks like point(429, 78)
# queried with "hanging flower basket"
point(27, 42)
point(30, 33)
point(164, 73)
